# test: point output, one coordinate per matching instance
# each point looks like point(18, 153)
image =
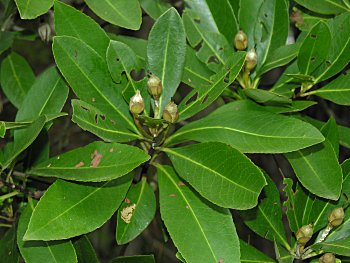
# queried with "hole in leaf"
point(227, 79)
point(103, 117)
point(117, 59)
point(205, 99)
point(192, 98)
point(199, 46)
point(313, 59)
point(96, 118)
point(84, 108)
point(265, 15)
point(314, 36)
point(197, 20)
point(221, 49)
point(328, 63)
point(213, 59)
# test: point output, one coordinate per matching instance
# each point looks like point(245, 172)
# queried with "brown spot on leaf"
point(80, 164)
point(127, 200)
point(172, 195)
point(221, 260)
point(127, 213)
point(181, 183)
point(111, 150)
point(96, 159)
point(93, 100)
point(187, 207)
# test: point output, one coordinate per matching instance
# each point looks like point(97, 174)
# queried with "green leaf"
point(47, 96)
point(142, 202)
point(267, 97)
point(85, 251)
point(339, 50)
point(318, 170)
point(77, 208)
point(207, 94)
point(134, 259)
point(271, 29)
point(237, 127)
point(213, 168)
point(208, 228)
point(166, 52)
point(76, 61)
point(154, 8)
point(123, 13)
point(8, 246)
point(285, 85)
point(214, 49)
point(93, 120)
point(71, 22)
point(283, 255)
point(95, 162)
point(305, 20)
point(266, 218)
point(314, 48)
point(6, 40)
point(122, 59)
point(30, 9)
point(2, 129)
point(42, 251)
point(280, 57)
point(339, 247)
point(337, 91)
point(16, 77)
point(331, 133)
point(253, 255)
point(24, 138)
point(328, 7)
point(217, 18)
point(304, 208)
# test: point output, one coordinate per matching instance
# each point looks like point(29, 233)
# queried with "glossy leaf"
point(267, 97)
point(283, 255)
point(42, 251)
point(237, 127)
point(154, 8)
point(214, 49)
point(266, 218)
point(122, 59)
point(123, 13)
point(216, 171)
point(304, 208)
point(85, 251)
point(6, 40)
point(330, 131)
point(346, 177)
point(339, 50)
point(340, 247)
point(207, 94)
point(8, 246)
point(337, 91)
point(24, 138)
point(30, 9)
point(76, 61)
point(280, 57)
point(71, 22)
point(253, 255)
point(271, 28)
point(78, 204)
point(93, 120)
point(314, 48)
point(328, 7)
point(166, 52)
point(217, 18)
point(285, 85)
point(208, 228)
point(142, 198)
point(47, 96)
point(134, 259)
point(318, 170)
point(95, 162)
point(16, 77)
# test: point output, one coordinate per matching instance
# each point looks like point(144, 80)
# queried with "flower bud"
point(136, 103)
point(241, 41)
point(155, 87)
point(304, 234)
point(327, 258)
point(336, 217)
point(170, 113)
point(251, 60)
point(45, 32)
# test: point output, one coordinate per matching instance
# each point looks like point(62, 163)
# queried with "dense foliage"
point(181, 123)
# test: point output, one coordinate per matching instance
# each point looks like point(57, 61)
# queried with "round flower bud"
point(155, 87)
point(45, 32)
point(327, 258)
point(251, 60)
point(136, 104)
point(170, 113)
point(336, 217)
point(304, 234)
point(241, 41)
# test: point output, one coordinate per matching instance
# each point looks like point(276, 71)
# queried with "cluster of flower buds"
point(327, 258)
point(241, 43)
point(155, 87)
point(304, 234)
point(336, 218)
